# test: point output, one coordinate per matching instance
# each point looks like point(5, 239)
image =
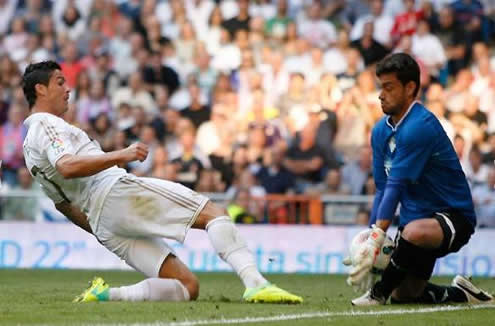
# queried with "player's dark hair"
point(403, 65)
point(37, 73)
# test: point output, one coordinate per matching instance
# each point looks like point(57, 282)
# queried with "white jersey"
point(48, 139)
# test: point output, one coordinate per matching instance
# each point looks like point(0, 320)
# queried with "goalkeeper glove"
point(365, 258)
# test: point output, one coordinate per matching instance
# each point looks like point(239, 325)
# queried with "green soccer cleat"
point(98, 290)
point(270, 293)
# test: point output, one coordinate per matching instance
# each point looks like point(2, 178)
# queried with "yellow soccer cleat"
point(270, 293)
point(98, 290)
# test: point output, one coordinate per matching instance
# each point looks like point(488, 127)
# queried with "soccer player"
point(414, 163)
point(128, 215)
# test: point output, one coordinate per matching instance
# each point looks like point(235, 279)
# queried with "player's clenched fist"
point(135, 152)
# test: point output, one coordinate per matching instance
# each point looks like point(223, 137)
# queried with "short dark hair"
point(37, 73)
point(404, 66)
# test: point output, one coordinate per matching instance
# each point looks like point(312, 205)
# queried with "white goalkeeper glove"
point(366, 283)
point(360, 274)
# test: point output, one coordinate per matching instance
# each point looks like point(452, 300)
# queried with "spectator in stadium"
point(12, 135)
point(293, 102)
point(88, 108)
point(210, 181)
point(355, 173)
point(348, 78)
point(71, 22)
point(428, 48)
point(240, 22)
point(135, 94)
point(160, 160)
point(204, 73)
point(71, 65)
point(437, 107)
point(315, 67)
point(484, 200)
point(209, 135)
point(121, 49)
point(476, 172)
point(102, 70)
point(102, 130)
point(7, 13)
point(489, 155)
point(156, 73)
point(228, 56)
point(331, 185)
point(273, 176)
point(304, 158)
point(457, 93)
point(371, 50)
point(469, 13)
point(452, 36)
point(198, 110)
point(335, 58)
point(10, 76)
point(407, 21)
point(246, 179)
point(382, 24)
point(257, 143)
point(244, 208)
point(318, 31)
point(25, 207)
point(276, 27)
point(15, 42)
point(189, 159)
point(146, 136)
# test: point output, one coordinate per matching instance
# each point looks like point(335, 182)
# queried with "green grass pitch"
point(43, 297)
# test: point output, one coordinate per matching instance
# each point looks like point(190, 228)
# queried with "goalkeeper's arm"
point(75, 215)
point(386, 202)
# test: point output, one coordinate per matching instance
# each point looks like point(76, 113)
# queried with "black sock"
point(407, 258)
point(392, 276)
point(441, 294)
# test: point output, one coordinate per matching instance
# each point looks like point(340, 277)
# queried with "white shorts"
point(139, 212)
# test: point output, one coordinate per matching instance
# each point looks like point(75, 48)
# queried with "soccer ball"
point(385, 253)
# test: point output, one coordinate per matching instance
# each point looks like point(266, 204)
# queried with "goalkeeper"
point(414, 164)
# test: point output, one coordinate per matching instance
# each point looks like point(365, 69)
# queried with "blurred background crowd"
point(251, 98)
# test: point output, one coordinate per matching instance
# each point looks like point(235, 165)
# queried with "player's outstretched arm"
point(76, 166)
point(75, 215)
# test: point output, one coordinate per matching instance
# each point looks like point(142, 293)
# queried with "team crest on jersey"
point(391, 144)
point(58, 145)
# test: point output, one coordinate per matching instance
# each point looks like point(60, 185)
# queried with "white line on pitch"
point(311, 315)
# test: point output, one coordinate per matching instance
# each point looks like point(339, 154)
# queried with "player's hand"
point(135, 152)
point(366, 257)
point(366, 283)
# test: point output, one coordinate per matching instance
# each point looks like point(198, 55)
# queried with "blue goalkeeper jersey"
point(418, 151)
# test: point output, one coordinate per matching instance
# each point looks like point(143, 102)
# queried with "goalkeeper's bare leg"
point(418, 246)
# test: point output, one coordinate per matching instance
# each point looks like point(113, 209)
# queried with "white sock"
point(232, 248)
point(151, 289)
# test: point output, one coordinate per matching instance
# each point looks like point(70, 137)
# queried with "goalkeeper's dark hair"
point(37, 73)
point(404, 66)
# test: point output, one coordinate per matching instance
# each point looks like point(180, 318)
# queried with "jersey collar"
point(402, 119)
point(35, 117)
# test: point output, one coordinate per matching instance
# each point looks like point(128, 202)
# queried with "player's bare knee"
point(192, 285)
point(425, 233)
point(414, 235)
point(209, 213)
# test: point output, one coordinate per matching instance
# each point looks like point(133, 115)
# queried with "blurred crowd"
point(253, 97)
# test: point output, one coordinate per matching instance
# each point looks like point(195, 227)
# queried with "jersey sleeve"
point(50, 190)
point(55, 140)
point(378, 163)
point(412, 152)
